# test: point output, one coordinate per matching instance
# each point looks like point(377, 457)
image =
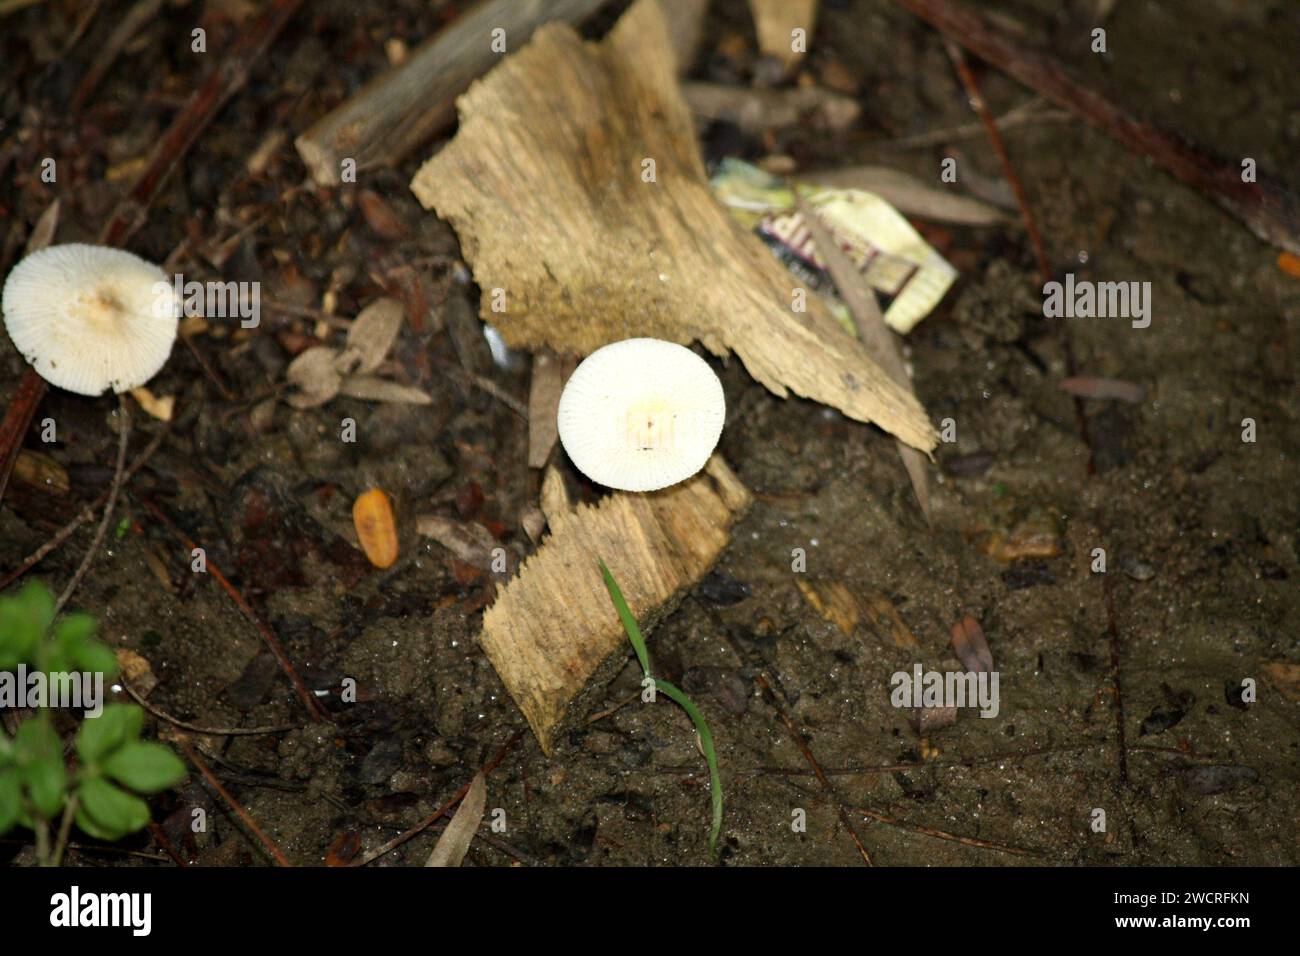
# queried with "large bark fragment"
point(553, 629)
point(546, 184)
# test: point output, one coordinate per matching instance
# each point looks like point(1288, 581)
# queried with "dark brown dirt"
point(1201, 530)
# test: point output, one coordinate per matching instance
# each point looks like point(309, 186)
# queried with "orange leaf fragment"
point(372, 514)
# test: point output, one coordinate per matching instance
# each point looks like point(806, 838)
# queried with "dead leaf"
point(1285, 676)
point(970, 646)
point(136, 670)
point(454, 843)
point(555, 495)
point(1087, 386)
point(544, 183)
point(159, 408)
point(875, 335)
point(371, 336)
point(470, 541)
point(372, 388)
point(315, 375)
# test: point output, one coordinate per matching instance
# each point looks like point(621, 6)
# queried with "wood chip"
point(758, 110)
point(454, 843)
point(543, 182)
point(883, 616)
point(775, 21)
point(36, 469)
point(553, 632)
point(833, 601)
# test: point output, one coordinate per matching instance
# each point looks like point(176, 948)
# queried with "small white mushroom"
point(641, 414)
point(89, 318)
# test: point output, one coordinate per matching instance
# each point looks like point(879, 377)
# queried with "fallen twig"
point(400, 109)
point(277, 649)
point(1267, 210)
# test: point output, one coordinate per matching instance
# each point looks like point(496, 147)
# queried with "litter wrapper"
point(892, 256)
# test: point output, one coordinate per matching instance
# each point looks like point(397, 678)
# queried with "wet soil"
point(1200, 529)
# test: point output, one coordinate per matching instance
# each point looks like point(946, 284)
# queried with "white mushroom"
point(641, 414)
point(89, 318)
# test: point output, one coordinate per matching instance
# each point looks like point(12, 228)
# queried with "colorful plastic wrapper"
point(893, 257)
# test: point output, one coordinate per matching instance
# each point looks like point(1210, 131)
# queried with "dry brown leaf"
point(543, 182)
point(159, 408)
point(314, 374)
point(469, 541)
point(137, 671)
point(454, 843)
point(970, 646)
point(1285, 676)
point(370, 336)
point(372, 388)
point(553, 630)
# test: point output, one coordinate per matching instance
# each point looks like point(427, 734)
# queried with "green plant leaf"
point(625, 615)
point(24, 619)
point(75, 629)
point(96, 658)
point(145, 767)
point(100, 736)
point(10, 799)
point(109, 811)
point(47, 781)
point(673, 694)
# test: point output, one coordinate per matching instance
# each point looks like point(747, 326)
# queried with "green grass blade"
point(675, 695)
point(710, 755)
point(625, 615)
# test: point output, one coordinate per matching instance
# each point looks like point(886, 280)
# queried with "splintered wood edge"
point(585, 264)
point(553, 628)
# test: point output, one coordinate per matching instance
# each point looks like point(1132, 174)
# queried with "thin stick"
point(62, 535)
point(945, 835)
point(433, 818)
point(1267, 210)
point(225, 80)
point(995, 137)
point(402, 108)
point(309, 700)
point(203, 731)
point(65, 827)
point(123, 433)
point(240, 812)
point(812, 762)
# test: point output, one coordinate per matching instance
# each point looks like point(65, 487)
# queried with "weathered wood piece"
point(401, 109)
point(553, 631)
point(576, 185)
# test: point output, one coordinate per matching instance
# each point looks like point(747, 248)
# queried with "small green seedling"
point(113, 764)
point(697, 718)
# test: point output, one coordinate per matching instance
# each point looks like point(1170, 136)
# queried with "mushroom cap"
point(641, 414)
point(89, 318)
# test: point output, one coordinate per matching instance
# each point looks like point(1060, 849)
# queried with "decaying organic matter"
point(591, 220)
point(553, 627)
